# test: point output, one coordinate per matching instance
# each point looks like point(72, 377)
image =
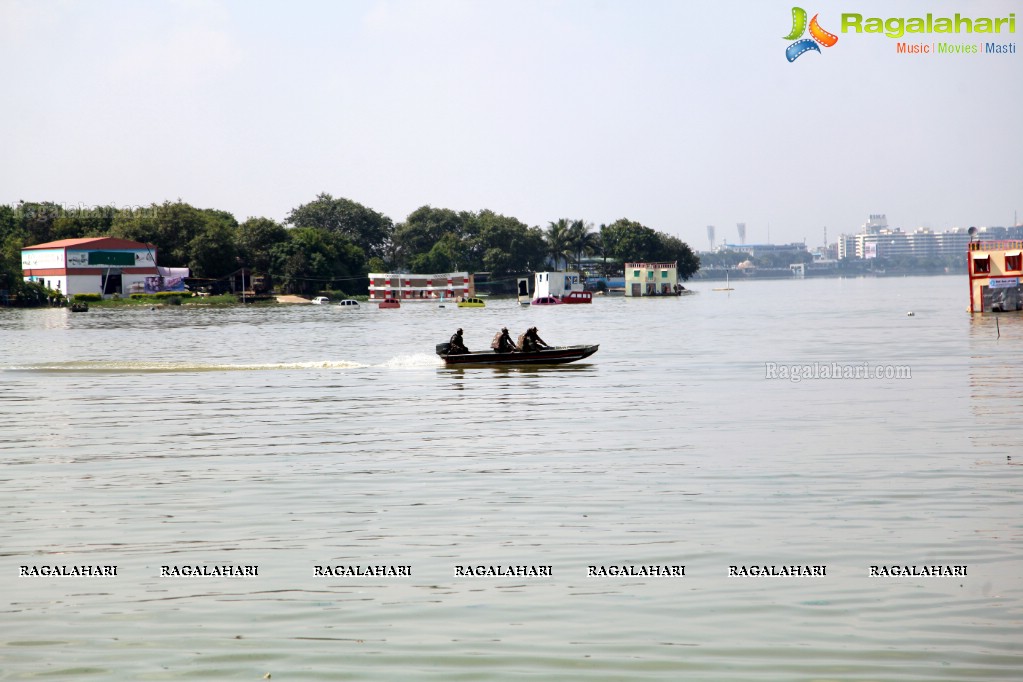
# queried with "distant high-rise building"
point(876, 223)
point(742, 232)
point(710, 236)
point(877, 240)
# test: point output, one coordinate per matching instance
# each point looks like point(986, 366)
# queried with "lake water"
point(294, 437)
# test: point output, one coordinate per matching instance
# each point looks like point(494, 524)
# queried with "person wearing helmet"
point(456, 345)
point(538, 343)
point(530, 341)
point(502, 342)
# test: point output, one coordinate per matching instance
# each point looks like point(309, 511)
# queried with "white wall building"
point(410, 287)
point(556, 284)
point(91, 265)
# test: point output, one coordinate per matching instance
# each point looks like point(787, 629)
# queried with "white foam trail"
point(412, 361)
point(165, 366)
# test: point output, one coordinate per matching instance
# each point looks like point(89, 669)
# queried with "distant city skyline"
point(676, 115)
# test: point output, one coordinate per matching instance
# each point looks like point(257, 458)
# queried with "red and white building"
point(409, 287)
point(91, 265)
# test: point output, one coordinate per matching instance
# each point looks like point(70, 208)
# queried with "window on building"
point(664, 274)
point(981, 265)
point(635, 273)
point(1014, 261)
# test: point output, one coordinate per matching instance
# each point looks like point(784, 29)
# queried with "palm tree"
point(581, 241)
point(556, 237)
point(603, 246)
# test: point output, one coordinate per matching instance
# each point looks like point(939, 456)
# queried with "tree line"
point(332, 243)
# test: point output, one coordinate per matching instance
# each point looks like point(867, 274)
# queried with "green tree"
point(203, 240)
point(449, 254)
point(213, 252)
point(37, 219)
point(75, 222)
point(556, 237)
point(426, 226)
point(633, 242)
point(628, 241)
point(312, 259)
point(364, 227)
point(256, 239)
point(12, 241)
point(170, 227)
point(674, 249)
point(506, 245)
point(580, 241)
point(604, 246)
point(376, 264)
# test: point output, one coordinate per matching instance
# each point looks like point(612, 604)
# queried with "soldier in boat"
point(457, 346)
point(502, 342)
point(530, 341)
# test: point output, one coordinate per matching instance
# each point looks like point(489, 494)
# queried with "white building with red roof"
point(91, 265)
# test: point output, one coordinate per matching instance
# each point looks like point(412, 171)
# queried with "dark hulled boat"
point(553, 355)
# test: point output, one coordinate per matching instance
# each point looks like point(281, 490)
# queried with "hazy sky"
point(676, 114)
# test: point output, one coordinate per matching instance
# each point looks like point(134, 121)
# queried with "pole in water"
point(998, 329)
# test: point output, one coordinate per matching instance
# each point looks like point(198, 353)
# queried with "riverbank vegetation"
point(331, 243)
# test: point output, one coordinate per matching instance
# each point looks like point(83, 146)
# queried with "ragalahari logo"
point(818, 35)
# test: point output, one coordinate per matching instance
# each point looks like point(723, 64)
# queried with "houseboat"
point(995, 269)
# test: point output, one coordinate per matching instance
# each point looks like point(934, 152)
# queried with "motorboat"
point(546, 300)
point(348, 303)
point(552, 355)
point(472, 302)
point(321, 300)
point(390, 303)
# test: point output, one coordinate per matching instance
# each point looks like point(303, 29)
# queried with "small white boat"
point(321, 300)
point(348, 303)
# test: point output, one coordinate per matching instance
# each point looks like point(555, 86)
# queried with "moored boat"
point(472, 302)
point(390, 303)
point(552, 355)
point(546, 300)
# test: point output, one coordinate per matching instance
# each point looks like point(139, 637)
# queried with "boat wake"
point(143, 367)
point(413, 361)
